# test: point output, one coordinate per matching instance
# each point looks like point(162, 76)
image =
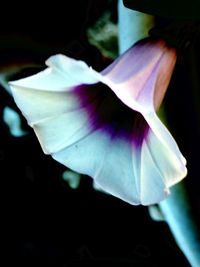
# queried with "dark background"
point(44, 220)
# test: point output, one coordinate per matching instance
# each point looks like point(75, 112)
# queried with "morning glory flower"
point(105, 124)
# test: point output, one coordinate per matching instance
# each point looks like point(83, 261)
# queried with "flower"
point(105, 124)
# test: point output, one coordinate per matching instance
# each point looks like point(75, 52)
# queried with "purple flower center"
point(107, 113)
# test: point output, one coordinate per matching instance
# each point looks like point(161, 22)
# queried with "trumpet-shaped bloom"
point(104, 124)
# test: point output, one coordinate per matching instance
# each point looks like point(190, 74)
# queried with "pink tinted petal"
point(137, 76)
point(166, 67)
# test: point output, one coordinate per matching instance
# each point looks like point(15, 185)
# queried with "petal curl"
point(141, 75)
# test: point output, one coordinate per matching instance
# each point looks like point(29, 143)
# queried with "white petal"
point(51, 92)
point(85, 156)
point(165, 138)
point(62, 131)
point(152, 186)
point(111, 163)
point(62, 75)
point(72, 69)
point(136, 175)
point(37, 105)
